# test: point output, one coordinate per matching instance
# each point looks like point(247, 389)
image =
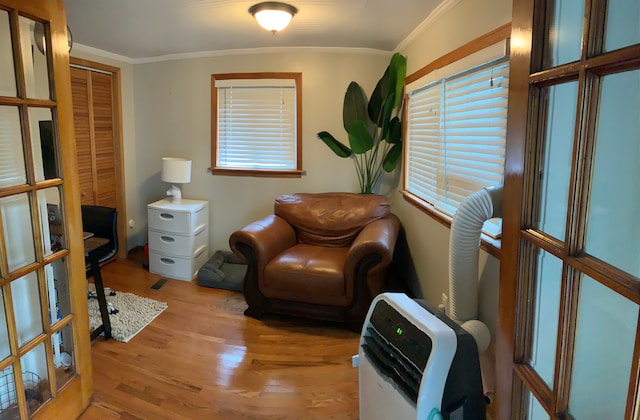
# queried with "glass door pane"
point(18, 231)
point(25, 294)
point(4, 333)
point(564, 36)
point(613, 233)
point(535, 411)
point(58, 290)
point(545, 321)
point(63, 355)
point(42, 143)
point(8, 397)
point(12, 169)
point(8, 79)
point(605, 338)
point(52, 228)
point(556, 167)
point(34, 59)
point(35, 375)
point(623, 24)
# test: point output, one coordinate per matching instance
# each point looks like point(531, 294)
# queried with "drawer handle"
point(200, 250)
point(167, 261)
point(167, 239)
point(166, 216)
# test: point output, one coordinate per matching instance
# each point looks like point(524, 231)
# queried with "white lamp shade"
point(273, 20)
point(176, 170)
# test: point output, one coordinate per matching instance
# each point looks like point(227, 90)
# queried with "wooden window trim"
point(293, 173)
point(490, 38)
point(487, 243)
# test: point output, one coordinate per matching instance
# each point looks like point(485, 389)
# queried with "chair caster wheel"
point(112, 309)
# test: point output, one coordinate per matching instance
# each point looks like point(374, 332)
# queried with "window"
point(456, 131)
point(256, 124)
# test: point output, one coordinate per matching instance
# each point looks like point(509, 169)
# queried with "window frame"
point(502, 33)
point(277, 173)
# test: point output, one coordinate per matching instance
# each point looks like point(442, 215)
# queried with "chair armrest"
point(377, 238)
point(267, 238)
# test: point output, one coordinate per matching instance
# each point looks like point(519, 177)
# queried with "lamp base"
point(175, 194)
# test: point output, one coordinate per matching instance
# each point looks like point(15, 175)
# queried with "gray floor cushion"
point(224, 270)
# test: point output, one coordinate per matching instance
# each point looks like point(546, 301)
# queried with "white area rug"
point(134, 313)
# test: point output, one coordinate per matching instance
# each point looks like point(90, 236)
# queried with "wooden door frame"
point(121, 204)
point(518, 110)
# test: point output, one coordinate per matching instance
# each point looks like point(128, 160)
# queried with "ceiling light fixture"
point(273, 16)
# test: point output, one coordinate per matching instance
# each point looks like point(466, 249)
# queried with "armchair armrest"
point(374, 245)
point(378, 237)
point(267, 238)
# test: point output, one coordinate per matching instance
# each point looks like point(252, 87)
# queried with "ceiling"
point(140, 29)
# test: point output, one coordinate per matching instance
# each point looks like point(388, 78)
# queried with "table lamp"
point(176, 171)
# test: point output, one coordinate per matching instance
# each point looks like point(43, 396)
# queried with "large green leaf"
point(386, 115)
point(338, 148)
point(355, 105)
point(378, 98)
point(360, 138)
point(397, 73)
point(392, 158)
point(395, 131)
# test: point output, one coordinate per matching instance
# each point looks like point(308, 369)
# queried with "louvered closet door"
point(93, 119)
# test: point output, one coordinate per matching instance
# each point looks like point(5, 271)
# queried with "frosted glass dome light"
point(272, 15)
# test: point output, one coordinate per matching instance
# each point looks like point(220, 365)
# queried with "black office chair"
point(102, 222)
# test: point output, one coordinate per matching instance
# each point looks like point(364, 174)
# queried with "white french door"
point(45, 369)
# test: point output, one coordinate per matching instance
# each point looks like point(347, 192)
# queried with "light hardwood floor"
point(203, 359)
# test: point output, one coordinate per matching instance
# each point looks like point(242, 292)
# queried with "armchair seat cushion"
point(308, 273)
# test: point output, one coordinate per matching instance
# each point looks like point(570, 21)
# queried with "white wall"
point(173, 118)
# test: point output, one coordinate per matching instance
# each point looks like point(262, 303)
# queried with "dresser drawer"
point(169, 221)
point(179, 268)
point(184, 218)
point(176, 244)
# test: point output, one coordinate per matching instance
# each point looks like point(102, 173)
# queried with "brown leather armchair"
point(320, 256)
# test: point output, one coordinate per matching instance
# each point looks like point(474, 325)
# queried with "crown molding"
point(222, 53)
point(440, 10)
point(101, 53)
point(263, 50)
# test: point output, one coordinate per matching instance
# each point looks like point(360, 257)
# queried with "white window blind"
point(256, 124)
point(456, 135)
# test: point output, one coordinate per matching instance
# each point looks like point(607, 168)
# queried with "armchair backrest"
point(330, 219)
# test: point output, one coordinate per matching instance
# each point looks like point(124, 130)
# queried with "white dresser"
point(178, 237)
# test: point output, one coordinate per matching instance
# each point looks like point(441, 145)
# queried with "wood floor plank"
point(203, 359)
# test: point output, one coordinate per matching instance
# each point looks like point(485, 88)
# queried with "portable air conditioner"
point(415, 363)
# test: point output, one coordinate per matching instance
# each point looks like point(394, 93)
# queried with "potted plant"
point(373, 126)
